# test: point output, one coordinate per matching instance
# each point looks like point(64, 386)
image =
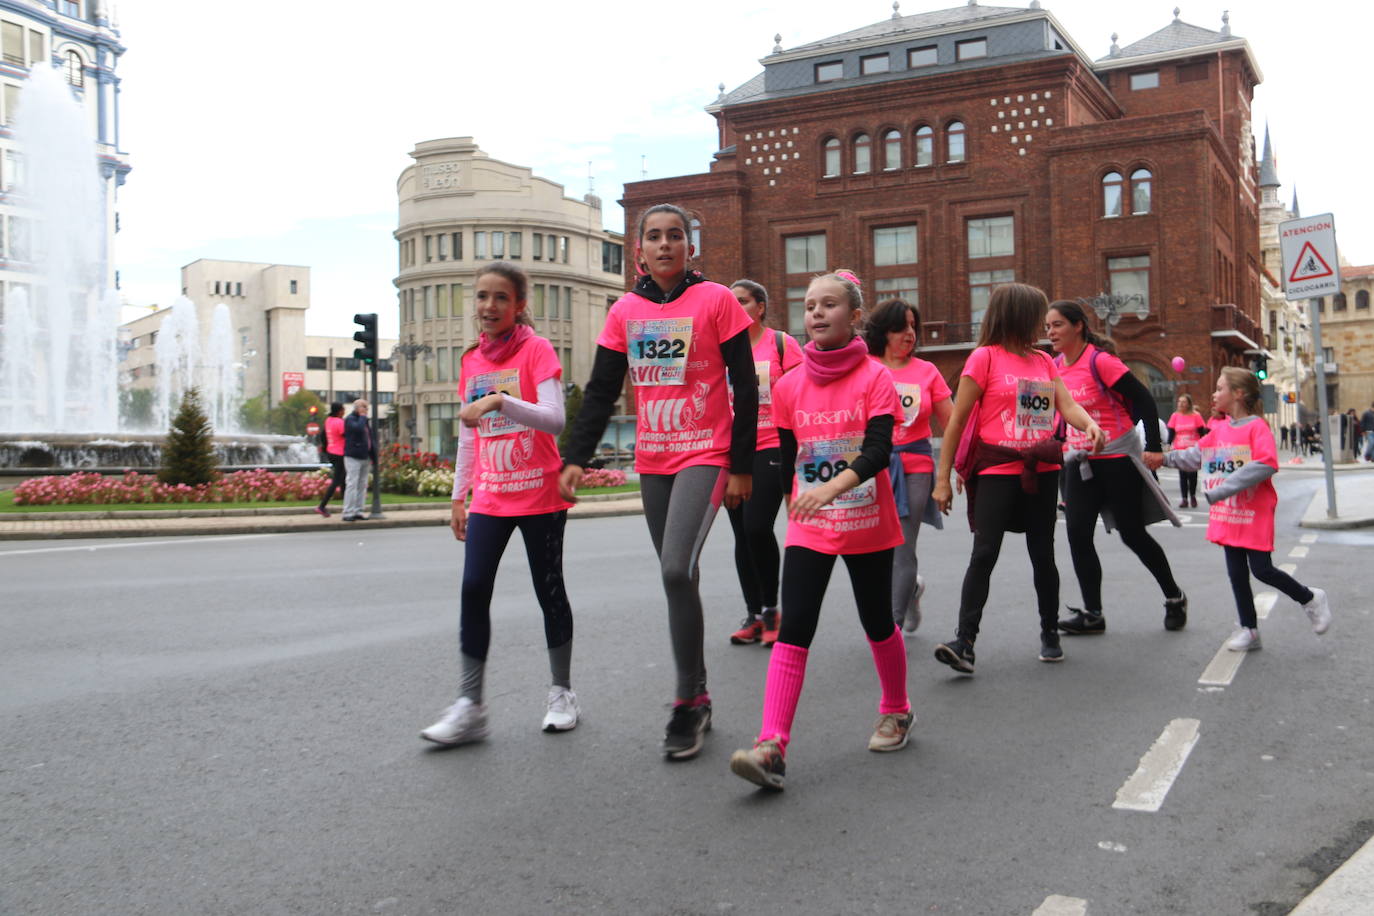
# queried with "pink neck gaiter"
point(500, 349)
point(825, 366)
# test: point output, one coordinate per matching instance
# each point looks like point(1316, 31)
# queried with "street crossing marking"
point(1289, 568)
point(1264, 603)
point(1299, 552)
point(136, 542)
point(1150, 783)
point(1309, 539)
point(1221, 670)
point(1343, 889)
point(1056, 905)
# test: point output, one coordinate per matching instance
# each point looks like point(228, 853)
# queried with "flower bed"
point(238, 487)
point(408, 470)
point(601, 477)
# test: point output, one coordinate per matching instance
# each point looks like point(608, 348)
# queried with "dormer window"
point(922, 57)
point(874, 63)
point(972, 49)
point(829, 71)
point(1148, 79)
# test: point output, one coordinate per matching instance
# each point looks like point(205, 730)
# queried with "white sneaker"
point(563, 710)
point(913, 613)
point(462, 723)
point(1318, 611)
point(1244, 640)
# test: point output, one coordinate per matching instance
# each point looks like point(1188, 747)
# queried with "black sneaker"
point(1049, 647)
point(1083, 623)
point(957, 653)
point(683, 738)
point(1176, 613)
point(762, 765)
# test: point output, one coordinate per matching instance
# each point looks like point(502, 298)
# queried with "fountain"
point(59, 365)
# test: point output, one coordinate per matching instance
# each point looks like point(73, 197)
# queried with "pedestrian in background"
point(511, 384)
point(333, 452)
point(1367, 427)
point(756, 547)
point(1186, 427)
point(359, 451)
point(891, 333)
point(1237, 459)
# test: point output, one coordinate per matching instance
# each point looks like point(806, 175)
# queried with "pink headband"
point(846, 275)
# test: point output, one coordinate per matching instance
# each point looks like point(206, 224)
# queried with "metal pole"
point(376, 452)
point(1323, 408)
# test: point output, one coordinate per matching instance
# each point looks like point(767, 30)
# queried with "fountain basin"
point(50, 452)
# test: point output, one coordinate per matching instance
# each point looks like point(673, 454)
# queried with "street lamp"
point(1112, 307)
point(410, 350)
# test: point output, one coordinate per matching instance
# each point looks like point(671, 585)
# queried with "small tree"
point(253, 415)
point(290, 416)
point(572, 406)
point(188, 455)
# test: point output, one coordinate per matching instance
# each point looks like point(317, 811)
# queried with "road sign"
point(1310, 265)
point(312, 429)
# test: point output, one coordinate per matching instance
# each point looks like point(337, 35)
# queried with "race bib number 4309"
point(506, 381)
point(1034, 406)
point(820, 460)
point(658, 350)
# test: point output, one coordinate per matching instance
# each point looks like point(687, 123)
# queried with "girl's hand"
point(737, 489)
point(473, 411)
point(1098, 437)
point(1153, 460)
point(807, 503)
point(568, 479)
point(942, 495)
point(459, 521)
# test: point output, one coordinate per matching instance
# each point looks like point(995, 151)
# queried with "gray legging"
point(904, 562)
point(679, 509)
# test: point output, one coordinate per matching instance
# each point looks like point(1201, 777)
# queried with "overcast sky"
point(275, 131)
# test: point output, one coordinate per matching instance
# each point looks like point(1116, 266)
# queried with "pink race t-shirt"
point(829, 422)
point(1101, 404)
point(1247, 518)
point(1187, 428)
point(1017, 406)
point(515, 471)
point(334, 435)
point(769, 370)
point(683, 414)
point(920, 386)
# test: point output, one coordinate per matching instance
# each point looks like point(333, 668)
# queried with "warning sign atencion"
point(1310, 265)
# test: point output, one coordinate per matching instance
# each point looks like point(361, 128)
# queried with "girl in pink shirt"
point(1186, 427)
point(333, 450)
point(676, 334)
point(891, 333)
point(1236, 459)
point(756, 549)
point(512, 392)
point(835, 417)
point(1008, 394)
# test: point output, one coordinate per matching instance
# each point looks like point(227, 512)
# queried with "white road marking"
point(1221, 670)
point(1308, 539)
point(135, 542)
point(1289, 568)
point(1299, 552)
point(1343, 889)
point(1264, 603)
point(1055, 905)
point(1150, 783)
point(1110, 846)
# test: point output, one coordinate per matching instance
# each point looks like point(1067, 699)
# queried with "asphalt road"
point(229, 725)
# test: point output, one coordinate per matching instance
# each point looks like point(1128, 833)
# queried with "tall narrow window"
point(563, 248)
point(76, 72)
point(551, 250)
point(695, 234)
point(479, 245)
point(294, 288)
point(1129, 275)
point(442, 239)
point(539, 300)
point(925, 146)
point(832, 158)
point(457, 246)
point(429, 248)
point(443, 300)
point(537, 246)
point(863, 154)
point(954, 141)
point(517, 245)
point(1361, 299)
point(35, 47)
point(12, 42)
point(1111, 194)
point(429, 301)
point(804, 255)
point(441, 359)
point(892, 151)
point(1141, 179)
point(456, 299)
point(498, 244)
point(1338, 302)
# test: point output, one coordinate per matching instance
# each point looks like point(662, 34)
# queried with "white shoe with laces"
point(1244, 640)
point(563, 710)
point(462, 723)
point(913, 613)
point(1318, 611)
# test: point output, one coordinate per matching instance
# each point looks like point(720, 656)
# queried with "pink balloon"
point(1179, 364)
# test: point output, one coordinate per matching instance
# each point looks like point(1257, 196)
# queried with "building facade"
point(333, 373)
point(1287, 332)
point(944, 153)
point(460, 209)
point(77, 37)
point(1348, 341)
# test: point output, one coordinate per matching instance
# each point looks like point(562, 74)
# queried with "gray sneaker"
point(462, 723)
point(686, 730)
point(913, 613)
point(1318, 611)
point(563, 711)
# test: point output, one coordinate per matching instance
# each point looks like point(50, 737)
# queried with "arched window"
point(832, 158)
point(863, 154)
point(1338, 302)
point(1111, 194)
point(925, 145)
point(1141, 180)
point(954, 141)
point(76, 72)
point(892, 150)
point(1361, 299)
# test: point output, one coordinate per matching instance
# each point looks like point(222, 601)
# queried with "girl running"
point(333, 450)
point(756, 549)
point(677, 334)
point(511, 386)
point(1008, 460)
point(1237, 458)
point(835, 420)
point(891, 333)
point(1186, 427)
point(1113, 484)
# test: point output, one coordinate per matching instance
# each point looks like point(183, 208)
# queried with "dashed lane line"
point(1057, 905)
point(1264, 603)
point(1299, 552)
point(1308, 538)
point(1289, 568)
point(1221, 670)
point(1150, 783)
point(134, 543)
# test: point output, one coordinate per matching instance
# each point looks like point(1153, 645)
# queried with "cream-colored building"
point(460, 209)
point(1287, 331)
point(1348, 340)
point(333, 373)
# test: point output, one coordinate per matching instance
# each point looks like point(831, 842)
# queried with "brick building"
point(943, 153)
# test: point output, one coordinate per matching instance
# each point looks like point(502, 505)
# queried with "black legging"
point(806, 573)
point(756, 548)
point(1116, 484)
point(1187, 485)
point(487, 536)
point(1000, 506)
point(337, 482)
point(1261, 563)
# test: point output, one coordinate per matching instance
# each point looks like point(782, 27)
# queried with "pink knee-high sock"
point(889, 657)
point(786, 673)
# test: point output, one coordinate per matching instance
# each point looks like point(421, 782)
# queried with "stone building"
point(460, 209)
point(1348, 340)
point(944, 153)
point(1287, 332)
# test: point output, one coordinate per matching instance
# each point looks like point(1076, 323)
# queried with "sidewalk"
point(267, 520)
point(1354, 497)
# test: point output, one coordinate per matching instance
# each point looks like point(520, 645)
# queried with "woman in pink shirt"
point(1008, 460)
point(511, 385)
point(333, 450)
point(835, 417)
point(1186, 427)
point(1237, 458)
point(756, 549)
point(676, 334)
point(891, 333)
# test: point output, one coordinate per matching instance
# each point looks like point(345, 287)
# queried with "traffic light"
point(1260, 366)
point(314, 409)
point(367, 337)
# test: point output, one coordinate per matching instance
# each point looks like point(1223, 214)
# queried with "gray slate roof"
point(1176, 36)
point(917, 22)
